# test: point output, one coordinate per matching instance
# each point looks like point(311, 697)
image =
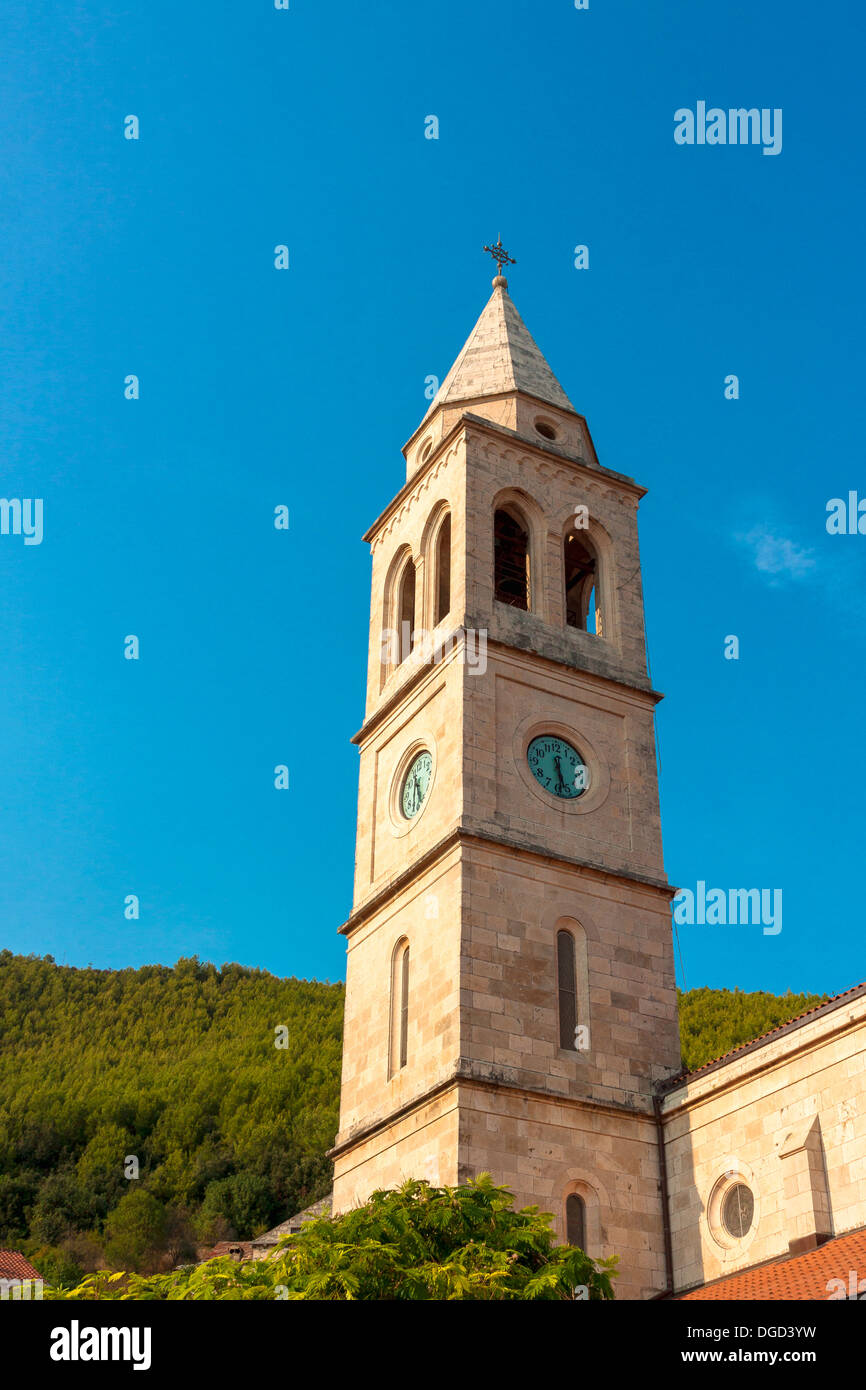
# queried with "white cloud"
point(776, 556)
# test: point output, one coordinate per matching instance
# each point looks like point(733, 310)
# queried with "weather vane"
point(500, 255)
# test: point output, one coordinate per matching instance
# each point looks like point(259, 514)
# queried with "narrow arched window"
point(567, 982)
point(398, 1045)
point(575, 1221)
point(510, 560)
point(443, 571)
point(582, 609)
point(406, 609)
point(404, 1007)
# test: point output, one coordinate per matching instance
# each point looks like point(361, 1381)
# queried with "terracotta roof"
point(828, 1005)
point(796, 1277)
point(14, 1266)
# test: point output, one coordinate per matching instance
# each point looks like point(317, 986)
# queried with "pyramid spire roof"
point(500, 355)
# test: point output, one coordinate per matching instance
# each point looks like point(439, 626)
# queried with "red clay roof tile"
point(683, 1076)
point(14, 1266)
point(796, 1277)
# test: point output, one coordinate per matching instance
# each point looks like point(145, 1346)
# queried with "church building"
point(511, 1002)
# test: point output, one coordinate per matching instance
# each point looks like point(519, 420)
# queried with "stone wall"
point(788, 1120)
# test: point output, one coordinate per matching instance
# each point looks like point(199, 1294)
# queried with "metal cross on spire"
point(500, 255)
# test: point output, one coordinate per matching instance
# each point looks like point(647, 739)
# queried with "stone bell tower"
point(510, 983)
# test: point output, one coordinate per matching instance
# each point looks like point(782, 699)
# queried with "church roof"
point(834, 1002)
point(500, 355)
point(13, 1265)
point(816, 1273)
point(294, 1223)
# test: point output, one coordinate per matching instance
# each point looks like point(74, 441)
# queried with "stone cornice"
point(496, 396)
point(411, 483)
point(464, 835)
point(463, 1076)
point(406, 688)
point(549, 451)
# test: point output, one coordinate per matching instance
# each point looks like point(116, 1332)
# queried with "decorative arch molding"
point(392, 593)
point(564, 907)
point(525, 509)
point(588, 473)
point(729, 1249)
point(597, 531)
point(430, 539)
point(595, 1199)
point(601, 546)
point(420, 489)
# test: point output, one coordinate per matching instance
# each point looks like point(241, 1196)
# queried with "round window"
point(545, 430)
point(738, 1209)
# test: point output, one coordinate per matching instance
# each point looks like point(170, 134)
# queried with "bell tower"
point(510, 996)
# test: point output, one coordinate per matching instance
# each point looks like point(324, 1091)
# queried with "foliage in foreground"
point(416, 1243)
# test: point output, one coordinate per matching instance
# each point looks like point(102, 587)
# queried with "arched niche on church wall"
point(400, 591)
point(439, 520)
point(587, 1186)
point(583, 1042)
point(518, 504)
point(592, 538)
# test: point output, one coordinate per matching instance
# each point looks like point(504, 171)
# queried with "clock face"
point(416, 785)
point(557, 767)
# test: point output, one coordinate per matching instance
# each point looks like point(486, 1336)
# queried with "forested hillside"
point(219, 1087)
point(223, 1085)
point(713, 1021)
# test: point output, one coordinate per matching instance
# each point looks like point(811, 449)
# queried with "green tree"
point(174, 1065)
point(135, 1233)
point(417, 1243)
point(245, 1200)
point(100, 1167)
point(180, 1242)
point(57, 1267)
point(17, 1196)
point(62, 1206)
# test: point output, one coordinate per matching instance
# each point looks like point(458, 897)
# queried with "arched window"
point(443, 571)
point(398, 613)
point(406, 609)
point(566, 970)
point(575, 1221)
point(399, 1030)
point(511, 583)
point(582, 606)
point(404, 1007)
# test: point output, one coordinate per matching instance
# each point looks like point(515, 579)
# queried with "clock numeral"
point(557, 766)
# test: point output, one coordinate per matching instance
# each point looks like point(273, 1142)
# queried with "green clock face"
point(416, 785)
point(557, 767)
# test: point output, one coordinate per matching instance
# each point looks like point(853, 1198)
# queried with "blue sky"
point(155, 257)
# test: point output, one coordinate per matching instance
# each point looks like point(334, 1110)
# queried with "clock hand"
point(559, 773)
